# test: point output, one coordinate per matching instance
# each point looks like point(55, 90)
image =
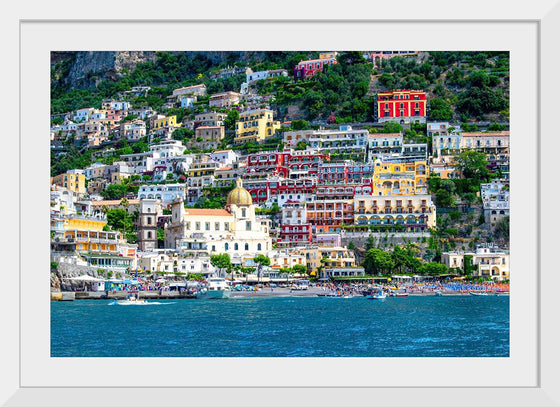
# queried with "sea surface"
point(415, 326)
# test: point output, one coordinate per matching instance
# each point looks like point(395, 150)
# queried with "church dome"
point(239, 195)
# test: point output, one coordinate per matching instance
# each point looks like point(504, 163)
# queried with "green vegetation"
point(213, 197)
point(118, 191)
point(222, 262)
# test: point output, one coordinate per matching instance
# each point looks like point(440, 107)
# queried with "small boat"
point(132, 300)
point(217, 288)
point(399, 294)
point(380, 295)
point(479, 293)
point(438, 293)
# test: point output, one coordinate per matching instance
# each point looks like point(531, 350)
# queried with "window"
point(213, 248)
point(149, 220)
point(246, 246)
point(248, 225)
point(226, 247)
point(197, 225)
point(243, 212)
point(207, 225)
point(149, 235)
point(259, 246)
point(236, 246)
point(217, 226)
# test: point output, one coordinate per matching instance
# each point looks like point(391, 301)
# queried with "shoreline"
point(264, 293)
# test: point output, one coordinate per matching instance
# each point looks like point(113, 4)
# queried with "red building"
point(337, 183)
point(305, 162)
point(263, 164)
point(402, 106)
point(262, 190)
point(306, 69)
point(288, 164)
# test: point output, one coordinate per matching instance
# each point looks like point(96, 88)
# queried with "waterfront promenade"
point(312, 291)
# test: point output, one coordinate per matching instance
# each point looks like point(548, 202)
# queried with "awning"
point(86, 278)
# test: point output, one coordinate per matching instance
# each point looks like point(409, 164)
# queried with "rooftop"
point(504, 133)
point(207, 212)
point(114, 202)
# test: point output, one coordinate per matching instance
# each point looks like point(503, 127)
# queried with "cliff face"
point(84, 69)
point(87, 68)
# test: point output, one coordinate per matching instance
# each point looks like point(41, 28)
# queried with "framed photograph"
point(522, 374)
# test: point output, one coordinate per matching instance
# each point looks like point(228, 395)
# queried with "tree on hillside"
point(502, 229)
point(391, 127)
point(119, 219)
point(440, 109)
point(473, 165)
point(300, 124)
point(114, 191)
point(229, 121)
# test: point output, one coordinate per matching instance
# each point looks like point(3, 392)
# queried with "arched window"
point(246, 246)
point(243, 212)
point(259, 246)
point(236, 247)
point(227, 246)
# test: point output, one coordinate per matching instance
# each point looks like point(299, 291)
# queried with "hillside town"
point(405, 180)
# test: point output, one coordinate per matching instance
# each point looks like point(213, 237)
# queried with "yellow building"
point(400, 177)
point(412, 213)
point(327, 257)
point(85, 234)
point(167, 121)
point(255, 125)
point(71, 181)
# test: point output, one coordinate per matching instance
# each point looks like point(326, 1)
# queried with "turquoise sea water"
point(461, 326)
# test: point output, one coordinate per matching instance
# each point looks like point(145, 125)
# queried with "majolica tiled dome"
point(239, 195)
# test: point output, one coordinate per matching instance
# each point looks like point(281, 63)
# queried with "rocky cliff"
point(84, 69)
point(87, 68)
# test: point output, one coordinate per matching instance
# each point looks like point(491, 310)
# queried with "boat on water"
point(379, 295)
point(132, 299)
point(438, 293)
point(217, 288)
point(399, 294)
point(479, 293)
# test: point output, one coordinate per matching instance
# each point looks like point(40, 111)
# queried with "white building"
point(224, 157)
point(168, 262)
point(82, 115)
point(234, 230)
point(168, 149)
point(133, 131)
point(445, 138)
point(495, 201)
point(384, 144)
point(342, 141)
point(166, 193)
point(488, 260)
point(119, 105)
point(139, 162)
point(210, 118)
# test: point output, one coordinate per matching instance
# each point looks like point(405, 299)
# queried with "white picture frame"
point(16, 390)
